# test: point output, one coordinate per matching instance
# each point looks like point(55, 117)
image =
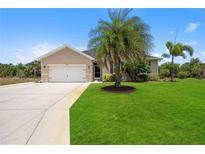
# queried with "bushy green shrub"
point(164, 73)
point(142, 77)
point(108, 77)
point(165, 79)
point(164, 68)
point(198, 71)
point(137, 71)
point(153, 77)
point(182, 75)
point(186, 67)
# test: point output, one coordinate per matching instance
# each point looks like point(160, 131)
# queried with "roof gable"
point(63, 47)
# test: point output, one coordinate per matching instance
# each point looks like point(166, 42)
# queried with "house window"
point(97, 71)
point(149, 63)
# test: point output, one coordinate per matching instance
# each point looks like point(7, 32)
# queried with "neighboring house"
point(67, 64)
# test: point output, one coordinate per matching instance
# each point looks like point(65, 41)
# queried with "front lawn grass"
point(156, 113)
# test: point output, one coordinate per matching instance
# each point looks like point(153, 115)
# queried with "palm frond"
point(188, 49)
point(183, 55)
point(169, 45)
point(121, 39)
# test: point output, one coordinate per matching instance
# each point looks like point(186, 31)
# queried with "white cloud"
point(165, 60)
point(192, 26)
point(27, 55)
point(157, 54)
point(167, 51)
point(192, 43)
point(203, 53)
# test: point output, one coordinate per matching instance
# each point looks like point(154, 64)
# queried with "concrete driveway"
point(23, 106)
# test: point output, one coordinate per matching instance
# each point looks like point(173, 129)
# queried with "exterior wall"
point(154, 67)
point(66, 56)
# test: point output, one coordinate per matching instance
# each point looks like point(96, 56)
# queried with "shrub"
point(167, 66)
point(142, 77)
point(165, 79)
point(108, 77)
point(186, 67)
point(182, 75)
point(198, 71)
point(153, 77)
point(164, 73)
point(137, 71)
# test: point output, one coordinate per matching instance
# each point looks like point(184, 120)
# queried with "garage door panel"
point(73, 73)
point(76, 77)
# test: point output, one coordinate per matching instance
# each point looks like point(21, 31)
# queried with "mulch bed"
point(122, 89)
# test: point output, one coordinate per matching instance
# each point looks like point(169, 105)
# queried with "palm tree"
point(120, 39)
point(176, 50)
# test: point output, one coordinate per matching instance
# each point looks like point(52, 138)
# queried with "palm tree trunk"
point(172, 70)
point(117, 74)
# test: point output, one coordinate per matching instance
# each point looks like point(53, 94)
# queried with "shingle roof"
point(92, 54)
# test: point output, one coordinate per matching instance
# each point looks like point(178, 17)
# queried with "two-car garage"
point(66, 64)
point(67, 73)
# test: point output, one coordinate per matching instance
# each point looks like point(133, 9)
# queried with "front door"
point(97, 71)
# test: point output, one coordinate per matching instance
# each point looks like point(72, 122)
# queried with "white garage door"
point(67, 73)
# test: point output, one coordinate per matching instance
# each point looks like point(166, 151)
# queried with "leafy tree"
point(20, 66)
point(182, 74)
point(186, 67)
point(7, 70)
point(119, 39)
point(164, 73)
point(194, 61)
point(196, 69)
point(32, 69)
point(20, 70)
point(176, 50)
point(136, 70)
point(166, 68)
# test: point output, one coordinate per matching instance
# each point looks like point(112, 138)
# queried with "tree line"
point(193, 69)
point(29, 70)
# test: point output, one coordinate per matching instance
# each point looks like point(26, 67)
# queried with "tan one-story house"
point(67, 64)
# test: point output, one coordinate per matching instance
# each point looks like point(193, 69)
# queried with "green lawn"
point(156, 113)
